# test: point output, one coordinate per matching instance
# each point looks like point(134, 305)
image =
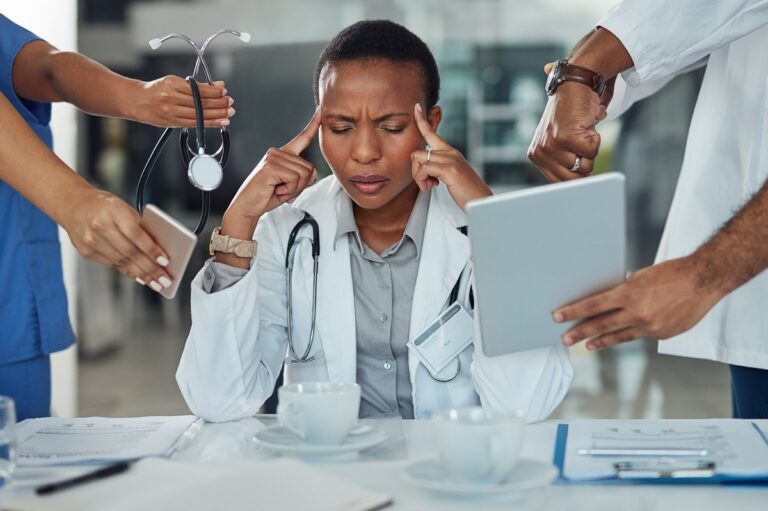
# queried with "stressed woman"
point(389, 225)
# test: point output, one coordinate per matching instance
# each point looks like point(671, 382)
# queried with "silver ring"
point(429, 152)
point(576, 165)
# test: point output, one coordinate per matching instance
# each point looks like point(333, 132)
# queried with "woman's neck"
point(380, 228)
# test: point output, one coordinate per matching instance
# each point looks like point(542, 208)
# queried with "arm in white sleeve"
point(624, 95)
point(533, 381)
point(663, 37)
point(220, 276)
point(237, 342)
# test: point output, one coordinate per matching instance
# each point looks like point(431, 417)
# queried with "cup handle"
point(289, 414)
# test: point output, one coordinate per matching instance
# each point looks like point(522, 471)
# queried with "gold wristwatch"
point(228, 245)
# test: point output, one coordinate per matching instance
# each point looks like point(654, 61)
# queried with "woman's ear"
point(435, 117)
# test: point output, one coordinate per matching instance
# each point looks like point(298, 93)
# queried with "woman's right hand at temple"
point(280, 176)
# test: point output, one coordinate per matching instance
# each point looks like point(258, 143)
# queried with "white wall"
point(56, 21)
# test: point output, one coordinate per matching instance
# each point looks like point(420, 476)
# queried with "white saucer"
point(429, 474)
point(283, 440)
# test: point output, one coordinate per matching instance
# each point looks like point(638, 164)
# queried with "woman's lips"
point(369, 184)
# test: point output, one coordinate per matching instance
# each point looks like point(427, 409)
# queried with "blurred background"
point(490, 54)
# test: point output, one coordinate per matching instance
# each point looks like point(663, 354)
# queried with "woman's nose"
point(366, 147)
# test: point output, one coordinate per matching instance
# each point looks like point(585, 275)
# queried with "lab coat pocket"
point(461, 388)
point(314, 370)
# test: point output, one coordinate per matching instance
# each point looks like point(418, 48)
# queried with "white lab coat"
point(238, 339)
point(726, 157)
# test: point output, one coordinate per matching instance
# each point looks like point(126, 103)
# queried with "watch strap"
point(228, 245)
point(567, 72)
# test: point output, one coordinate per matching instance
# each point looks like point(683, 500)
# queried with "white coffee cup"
point(320, 413)
point(478, 446)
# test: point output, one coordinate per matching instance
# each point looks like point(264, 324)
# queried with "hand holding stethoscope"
point(440, 162)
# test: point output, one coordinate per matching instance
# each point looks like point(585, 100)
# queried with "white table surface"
point(381, 469)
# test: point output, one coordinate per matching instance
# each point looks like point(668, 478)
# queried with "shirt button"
point(387, 365)
point(384, 318)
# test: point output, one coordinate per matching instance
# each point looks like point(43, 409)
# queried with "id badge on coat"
point(438, 345)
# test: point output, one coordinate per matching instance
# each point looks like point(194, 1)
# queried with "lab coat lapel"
point(335, 306)
point(444, 254)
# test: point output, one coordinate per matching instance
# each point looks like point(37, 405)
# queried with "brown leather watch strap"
point(564, 71)
point(580, 74)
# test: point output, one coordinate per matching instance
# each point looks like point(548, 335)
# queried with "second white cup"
point(320, 413)
point(478, 446)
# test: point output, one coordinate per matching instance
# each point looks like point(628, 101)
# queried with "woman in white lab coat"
point(367, 82)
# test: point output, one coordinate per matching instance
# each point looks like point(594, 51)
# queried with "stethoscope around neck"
point(204, 170)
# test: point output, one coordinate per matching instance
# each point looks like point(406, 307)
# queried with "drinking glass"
point(7, 440)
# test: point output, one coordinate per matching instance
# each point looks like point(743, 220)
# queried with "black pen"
point(109, 470)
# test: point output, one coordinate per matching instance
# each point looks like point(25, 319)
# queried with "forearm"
point(738, 252)
point(33, 170)
point(92, 87)
point(603, 52)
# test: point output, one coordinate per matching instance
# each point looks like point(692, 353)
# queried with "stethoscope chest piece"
point(205, 172)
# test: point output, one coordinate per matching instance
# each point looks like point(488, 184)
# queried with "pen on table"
point(661, 451)
point(109, 470)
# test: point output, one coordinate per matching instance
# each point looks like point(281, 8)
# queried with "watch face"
point(554, 75)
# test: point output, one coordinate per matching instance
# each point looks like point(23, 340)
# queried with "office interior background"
point(490, 54)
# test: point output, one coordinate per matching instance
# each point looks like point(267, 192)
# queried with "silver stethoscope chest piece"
point(205, 172)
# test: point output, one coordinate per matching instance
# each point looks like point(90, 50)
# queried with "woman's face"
point(368, 131)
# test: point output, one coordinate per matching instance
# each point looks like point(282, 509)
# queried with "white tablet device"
point(537, 249)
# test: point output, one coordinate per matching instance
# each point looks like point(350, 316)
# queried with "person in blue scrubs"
point(37, 191)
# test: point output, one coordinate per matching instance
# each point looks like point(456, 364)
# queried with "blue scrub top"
point(33, 302)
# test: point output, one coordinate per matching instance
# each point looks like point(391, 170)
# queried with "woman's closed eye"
point(393, 128)
point(341, 128)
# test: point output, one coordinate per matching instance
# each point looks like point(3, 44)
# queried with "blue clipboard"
point(558, 459)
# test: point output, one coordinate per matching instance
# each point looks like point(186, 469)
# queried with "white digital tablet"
point(538, 249)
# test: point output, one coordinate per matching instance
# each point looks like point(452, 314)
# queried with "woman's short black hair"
point(381, 39)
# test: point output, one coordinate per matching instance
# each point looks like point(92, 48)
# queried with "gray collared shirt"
point(383, 287)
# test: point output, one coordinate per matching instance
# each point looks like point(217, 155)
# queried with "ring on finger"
point(429, 152)
point(576, 165)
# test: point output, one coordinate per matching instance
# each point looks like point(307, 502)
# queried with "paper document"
point(737, 447)
point(54, 441)
point(153, 483)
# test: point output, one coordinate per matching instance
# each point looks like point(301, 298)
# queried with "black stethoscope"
point(204, 170)
point(305, 358)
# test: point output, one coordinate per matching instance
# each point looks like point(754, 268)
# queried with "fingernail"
point(154, 285)
point(558, 317)
point(231, 101)
point(165, 281)
point(224, 92)
point(230, 112)
point(418, 108)
point(224, 122)
point(141, 281)
point(568, 340)
point(162, 261)
point(590, 347)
